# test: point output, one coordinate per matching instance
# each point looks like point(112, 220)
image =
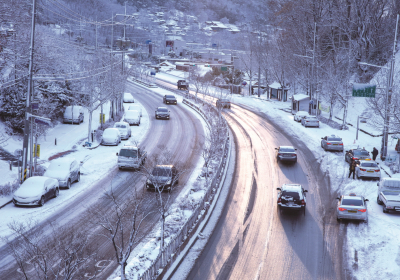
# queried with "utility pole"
point(389, 90)
point(28, 98)
point(312, 67)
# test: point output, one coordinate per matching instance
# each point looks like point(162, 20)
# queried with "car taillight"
point(328, 143)
point(279, 200)
point(303, 202)
point(377, 170)
point(341, 144)
point(294, 155)
point(354, 158)
point(362, 210)
point(363, 169)
point(342, 209)
point(279, 154)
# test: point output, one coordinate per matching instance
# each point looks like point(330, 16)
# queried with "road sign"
point(153, 73)
point(244, 83)
point(148, 42)
point(311, 102)
point(35, 105)
point(36, 150)
point(324, 108)
point(102, 118)
point(224, 68)
point(364, 90)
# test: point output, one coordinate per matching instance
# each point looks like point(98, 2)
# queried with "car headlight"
point(169, 182)
point(148, 181)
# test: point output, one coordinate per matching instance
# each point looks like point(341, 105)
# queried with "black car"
point(163, 178)
point(223, 103)
point(162, 113)
point(357, 154)
point(170, 99)
point(182, 84)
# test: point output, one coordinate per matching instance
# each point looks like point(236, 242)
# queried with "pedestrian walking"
point(374, 153)
point(352, 168)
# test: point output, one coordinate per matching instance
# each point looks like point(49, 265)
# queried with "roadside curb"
point(1, 206)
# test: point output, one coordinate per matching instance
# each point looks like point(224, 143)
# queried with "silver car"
point(299, 115)
point(333, 143)
point(369, 169)
point(310, 121)
point(286, 153)
point(352, 207)
point(65, 170)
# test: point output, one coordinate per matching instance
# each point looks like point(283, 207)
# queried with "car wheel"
point(69, 184)
point(57, 192)
point(378, 201)
point(384, 209)
point(79, 177)
point(358, 177)
point(337, 219)
point(41, 201)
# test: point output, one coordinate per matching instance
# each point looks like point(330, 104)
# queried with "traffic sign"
point(364, 90)
point(224, 68)
point(39, 121)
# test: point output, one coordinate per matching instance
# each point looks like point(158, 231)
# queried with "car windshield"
point(162, 110)
point(59, 166)
point(334, 139)
point(120, 125)
point(311, 118)
point(170, 96)
point(131, 114)
point(293, 194)
point(361, 153)
point(391, 192)
point(352, 202)
point(391, 183)
point(128, 153)
point(369, 164)
point(286, 150)
point(160, 171)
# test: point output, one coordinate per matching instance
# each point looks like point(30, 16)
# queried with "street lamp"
point(358, 123)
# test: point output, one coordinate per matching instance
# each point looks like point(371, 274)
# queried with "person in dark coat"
point(374, 153)
point(352, 168)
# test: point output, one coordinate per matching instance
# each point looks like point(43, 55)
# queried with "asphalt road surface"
point(252, 239)
point(181, 135)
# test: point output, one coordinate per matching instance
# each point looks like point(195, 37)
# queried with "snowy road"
point(181, 135)
point(252, 239)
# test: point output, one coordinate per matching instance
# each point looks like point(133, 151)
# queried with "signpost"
point(324, 108)
point(224, 68)
point(364, 90)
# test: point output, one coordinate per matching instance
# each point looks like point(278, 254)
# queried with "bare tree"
point(121, 223)
point(62, 254)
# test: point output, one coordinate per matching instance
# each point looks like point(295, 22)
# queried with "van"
point(73, 114)
point(131, 157)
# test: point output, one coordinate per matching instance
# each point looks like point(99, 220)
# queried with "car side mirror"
point(276, 148)
point(338, 198)
point(366, 199)
point(295, 149)
point(322, 138)
point(305, 190)
point(117, 154)
point(279, 189)
point(377, 184)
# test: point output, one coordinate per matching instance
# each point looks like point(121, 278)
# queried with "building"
point(276, 91)
point(300, 102)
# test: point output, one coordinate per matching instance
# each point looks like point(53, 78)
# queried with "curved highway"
point(181, 135)
point(252, 240)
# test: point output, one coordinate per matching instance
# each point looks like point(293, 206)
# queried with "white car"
point(128, 98)
point(124, 129)
point(65, 170)
point(310, 121)
point(369, 169)
point(111, 136)
point(36, 190)
point(132, 117)
point(299, 115)
point(135, 107)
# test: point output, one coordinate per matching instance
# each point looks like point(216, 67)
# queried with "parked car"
point(36, 190)
point(73, 114)
point(162, 113)
point(163, 178)
point(223, 103)
point(65, 170)
point(292, 197)
point(333, 143)
point(111, 137)
point(368, 169)
point(136, 107)
point(286, 153)
point(170, 99)
point(310, 121)
point(352, 207)
point(389, 194)
point(131, 157)
point(182, 84)
point(356, 154)
point(299, 115)
point(128, 98)
point(124, 129)
point(132, 117)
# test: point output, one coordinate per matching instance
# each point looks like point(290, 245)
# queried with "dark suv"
point(292, 197)
point(162, 113)
point(163, 178)
point(170, 99)
point(357, 154)
point(223, 103)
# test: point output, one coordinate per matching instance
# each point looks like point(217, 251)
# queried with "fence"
point(176, 245)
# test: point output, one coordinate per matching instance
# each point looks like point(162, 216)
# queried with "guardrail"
point(176, 245)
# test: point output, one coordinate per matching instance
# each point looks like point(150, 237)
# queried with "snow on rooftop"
point(300, 96)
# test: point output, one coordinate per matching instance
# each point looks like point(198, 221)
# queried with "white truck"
point(131, 157)
point(389, 194)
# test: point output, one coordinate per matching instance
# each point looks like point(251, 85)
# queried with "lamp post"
point(358, 124)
